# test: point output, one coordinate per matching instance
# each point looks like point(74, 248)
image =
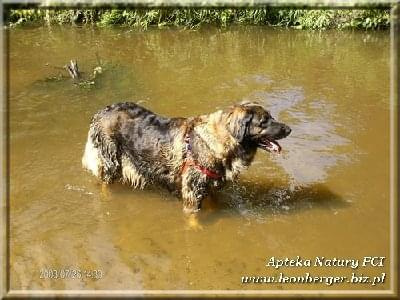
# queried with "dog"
point(189, 156)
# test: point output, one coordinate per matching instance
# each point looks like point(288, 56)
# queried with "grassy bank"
point(195, 17)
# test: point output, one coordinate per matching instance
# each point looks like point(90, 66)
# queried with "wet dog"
point(189, 156)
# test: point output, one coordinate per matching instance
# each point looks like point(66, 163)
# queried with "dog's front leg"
point(191, 200)
point(193, 192)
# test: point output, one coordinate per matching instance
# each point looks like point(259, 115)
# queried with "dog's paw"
point(192, 223)
point(190, 210)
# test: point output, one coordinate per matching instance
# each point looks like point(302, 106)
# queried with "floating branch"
point(80, 78)
point(73, 69)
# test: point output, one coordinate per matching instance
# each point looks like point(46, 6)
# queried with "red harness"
point(204, 170)
point(190, 162)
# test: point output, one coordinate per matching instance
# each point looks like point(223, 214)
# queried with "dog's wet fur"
point(131, 144)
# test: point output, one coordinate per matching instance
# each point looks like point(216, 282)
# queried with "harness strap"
point(190, 162)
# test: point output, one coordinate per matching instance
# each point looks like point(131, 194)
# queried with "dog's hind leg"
point(107, 152)
point(130, 174)
point(111, 165)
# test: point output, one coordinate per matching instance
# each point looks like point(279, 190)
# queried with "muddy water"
point(326, 195)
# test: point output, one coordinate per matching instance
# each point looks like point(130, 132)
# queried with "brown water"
point(326, 195)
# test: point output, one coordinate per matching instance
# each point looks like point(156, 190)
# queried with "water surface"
point(327, 194)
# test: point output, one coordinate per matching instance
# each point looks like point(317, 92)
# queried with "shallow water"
point(326, 195)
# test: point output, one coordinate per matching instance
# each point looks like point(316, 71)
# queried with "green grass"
point(317, 19)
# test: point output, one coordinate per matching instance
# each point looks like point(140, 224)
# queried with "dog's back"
point(126, 141)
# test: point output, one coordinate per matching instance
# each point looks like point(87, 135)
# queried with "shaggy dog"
point(189, 156)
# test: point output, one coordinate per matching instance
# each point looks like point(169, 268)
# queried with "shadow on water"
point(249, 200)
point(256, 201)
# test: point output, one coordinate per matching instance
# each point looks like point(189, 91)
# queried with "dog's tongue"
point(270, 145)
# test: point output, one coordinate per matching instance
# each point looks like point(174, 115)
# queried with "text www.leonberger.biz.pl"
point(353, 267)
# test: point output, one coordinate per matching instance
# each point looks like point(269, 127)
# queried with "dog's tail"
point(101, 154)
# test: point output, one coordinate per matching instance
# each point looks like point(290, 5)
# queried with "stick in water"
point(73, 69)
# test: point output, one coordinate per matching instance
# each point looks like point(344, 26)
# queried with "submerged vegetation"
point(195, 17)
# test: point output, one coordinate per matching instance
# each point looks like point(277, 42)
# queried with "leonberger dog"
point(189, 156)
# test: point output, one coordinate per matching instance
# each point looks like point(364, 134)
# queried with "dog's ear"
point(239, 121)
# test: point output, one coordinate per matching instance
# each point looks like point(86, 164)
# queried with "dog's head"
point(251, 124)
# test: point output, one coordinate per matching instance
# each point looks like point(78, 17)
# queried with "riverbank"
point(316, 19)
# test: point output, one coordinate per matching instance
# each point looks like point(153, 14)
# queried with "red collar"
point(190, 162)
